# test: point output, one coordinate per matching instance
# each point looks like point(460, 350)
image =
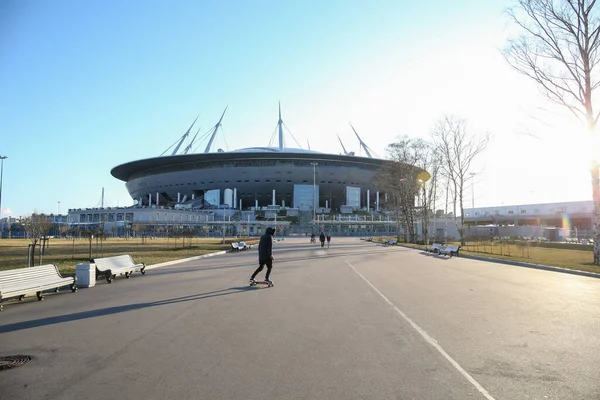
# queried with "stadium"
point(253, 178)
point(241, 192)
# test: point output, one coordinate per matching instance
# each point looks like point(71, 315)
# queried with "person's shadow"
point(118, 309)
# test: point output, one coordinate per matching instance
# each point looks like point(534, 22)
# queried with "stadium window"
point(289, 180)
point(511, 212)
point(278, 180)
point(257, 180)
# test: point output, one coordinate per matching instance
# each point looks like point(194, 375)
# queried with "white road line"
point(428, 339)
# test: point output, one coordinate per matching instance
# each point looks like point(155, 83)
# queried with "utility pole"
point(2, 158)
point(472, 190)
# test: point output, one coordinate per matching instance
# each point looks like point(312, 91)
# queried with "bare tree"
point(405, 178)
point(36, 227)
point(431, 162)
point(558, 49)
point(457, 148)
point(400, 194)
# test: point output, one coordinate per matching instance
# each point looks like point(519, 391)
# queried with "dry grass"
point(582, 260)
point(66, 253)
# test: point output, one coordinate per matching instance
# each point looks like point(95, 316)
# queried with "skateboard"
point(257, 283)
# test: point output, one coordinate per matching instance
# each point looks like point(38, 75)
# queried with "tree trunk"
point(595, 172)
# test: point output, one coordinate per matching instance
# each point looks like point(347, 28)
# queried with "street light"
point(314, 164)
point(472, 174)
point(2, 158)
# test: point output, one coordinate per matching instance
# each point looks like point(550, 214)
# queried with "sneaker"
point(268, 280)
point(252, 281)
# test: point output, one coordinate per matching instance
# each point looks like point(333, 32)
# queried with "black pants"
point(262, 263)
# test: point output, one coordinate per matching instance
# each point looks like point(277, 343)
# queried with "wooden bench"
point(450, 250)
point(22, 281)
point(434, 248)
point(117, 265)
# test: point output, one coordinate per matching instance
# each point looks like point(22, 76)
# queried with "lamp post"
point(2, 158)
point(472, 174)
point(424, 219)
point(314, 164)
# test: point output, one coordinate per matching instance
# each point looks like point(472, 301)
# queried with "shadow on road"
point(118, 309)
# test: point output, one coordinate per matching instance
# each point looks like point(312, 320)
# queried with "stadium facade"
point(242, 192)
point(254, 178)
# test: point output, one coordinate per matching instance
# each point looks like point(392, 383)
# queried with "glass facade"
point(213, 197)
point(304, 196)
point(353, 196)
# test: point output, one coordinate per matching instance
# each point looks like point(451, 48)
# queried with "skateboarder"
point(265, 255)
point(322, 239)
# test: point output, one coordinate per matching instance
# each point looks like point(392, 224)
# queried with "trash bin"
point(86, 274)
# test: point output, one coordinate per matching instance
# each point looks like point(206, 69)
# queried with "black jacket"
point(265, 246)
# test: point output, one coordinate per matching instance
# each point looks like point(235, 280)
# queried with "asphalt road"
point(356, 321)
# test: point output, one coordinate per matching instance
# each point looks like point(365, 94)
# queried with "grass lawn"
point(66, 253)
point(582, 260)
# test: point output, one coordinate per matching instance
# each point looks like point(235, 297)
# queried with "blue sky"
point(88, 85)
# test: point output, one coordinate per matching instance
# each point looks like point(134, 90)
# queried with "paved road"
point(356, 321)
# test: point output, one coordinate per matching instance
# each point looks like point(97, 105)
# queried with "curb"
point(167, 263)
point(525, 264)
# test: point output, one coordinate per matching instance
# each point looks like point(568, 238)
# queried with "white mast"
point(362, 144)
point(343, 148)
point(216, 128)
point(280, 126)
point(184, 136)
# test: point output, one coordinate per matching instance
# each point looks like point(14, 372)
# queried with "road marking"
point(428, 339)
